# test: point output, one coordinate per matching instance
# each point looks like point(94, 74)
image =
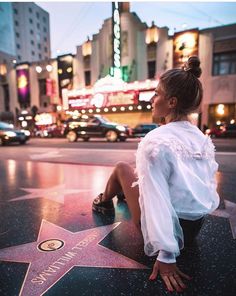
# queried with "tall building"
point(24, 31)
point(24, 38)
point(32, 33)
point(7, 37)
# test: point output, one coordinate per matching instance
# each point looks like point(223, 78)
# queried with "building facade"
point(82, 83)
point(156, 52)
point(218, 56)
point(8, 96)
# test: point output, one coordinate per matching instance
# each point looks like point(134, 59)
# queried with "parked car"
point(86, 127)
point(142, 129)
point(9, 134)
point(223, 131)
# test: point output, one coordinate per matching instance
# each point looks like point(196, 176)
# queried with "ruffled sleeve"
point(159, 221)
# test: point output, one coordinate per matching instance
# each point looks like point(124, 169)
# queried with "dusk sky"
point(72, 22)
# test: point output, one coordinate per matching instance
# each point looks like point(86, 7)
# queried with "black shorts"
point(190, 229)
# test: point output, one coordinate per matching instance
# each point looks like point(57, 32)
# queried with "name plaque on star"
point(53, 245)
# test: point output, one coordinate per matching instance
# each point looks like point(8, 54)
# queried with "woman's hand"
point(170, 274)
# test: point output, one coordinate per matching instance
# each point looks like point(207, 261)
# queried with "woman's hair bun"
point(193, 66)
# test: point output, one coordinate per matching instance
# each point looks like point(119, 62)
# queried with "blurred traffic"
point(9, 134)
point(222, 131)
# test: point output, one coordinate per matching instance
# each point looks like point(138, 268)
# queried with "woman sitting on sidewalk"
point(174, 185)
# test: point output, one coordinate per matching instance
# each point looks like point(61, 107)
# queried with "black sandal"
point(120, 196)
point(104, 207)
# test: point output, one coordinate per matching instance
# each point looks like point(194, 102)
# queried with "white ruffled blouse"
point(176, 167)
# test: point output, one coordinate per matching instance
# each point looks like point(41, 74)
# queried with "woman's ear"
point(173, 102)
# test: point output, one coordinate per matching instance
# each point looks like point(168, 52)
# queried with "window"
point(87, 62)
point(6, 96)
point(151, 51)
point(45, 39)
point(44, 19)
point(31, 21)
point(87, 75)
point(16, 23)
point(45, 30)
point(33, 53)
point(17, 34)
point(32, 42)
point(30, 9)
point(18, 46)
point(38, 26)
point(151, 69)
point(224, 63)
point(15, 11)
point(40, 56)
point(31, 32)
point(39, 46)
point(45, 49)
point(19, 57)
point(42, 87)
point(37, 15)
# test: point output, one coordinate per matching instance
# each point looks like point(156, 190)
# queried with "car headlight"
point(10, 134)
point(121, 128)
point(27, 133)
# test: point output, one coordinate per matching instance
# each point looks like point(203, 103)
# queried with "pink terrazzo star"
point(57, 250)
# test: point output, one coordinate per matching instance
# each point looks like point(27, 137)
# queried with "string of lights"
point(111, 109)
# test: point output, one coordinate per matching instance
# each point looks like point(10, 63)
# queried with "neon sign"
point(23, 86)
point(116, 40)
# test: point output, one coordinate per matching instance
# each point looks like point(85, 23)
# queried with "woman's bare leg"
point(122, 179)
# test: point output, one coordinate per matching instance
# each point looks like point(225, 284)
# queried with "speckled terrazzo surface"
point(51, 243)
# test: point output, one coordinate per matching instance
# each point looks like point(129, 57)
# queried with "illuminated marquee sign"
point(23, 85)
point(108, 92)
point(103, 100)
point(116, 40)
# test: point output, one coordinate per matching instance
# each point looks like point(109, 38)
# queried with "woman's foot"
point(104, 207)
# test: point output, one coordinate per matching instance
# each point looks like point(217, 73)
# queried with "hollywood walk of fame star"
point(228, 212)
point(58, 250)
point(56, 193)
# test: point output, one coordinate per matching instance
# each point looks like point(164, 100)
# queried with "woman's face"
point(160, 103)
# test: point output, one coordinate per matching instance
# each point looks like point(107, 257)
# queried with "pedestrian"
point(173, 186)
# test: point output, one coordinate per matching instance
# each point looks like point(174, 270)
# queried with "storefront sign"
point(50, 87)
point(65, 72)
point(120, 98)
point(23, 84)
point(185, 44)
point(116, 40)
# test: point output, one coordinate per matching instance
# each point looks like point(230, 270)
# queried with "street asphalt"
point(51, 243)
